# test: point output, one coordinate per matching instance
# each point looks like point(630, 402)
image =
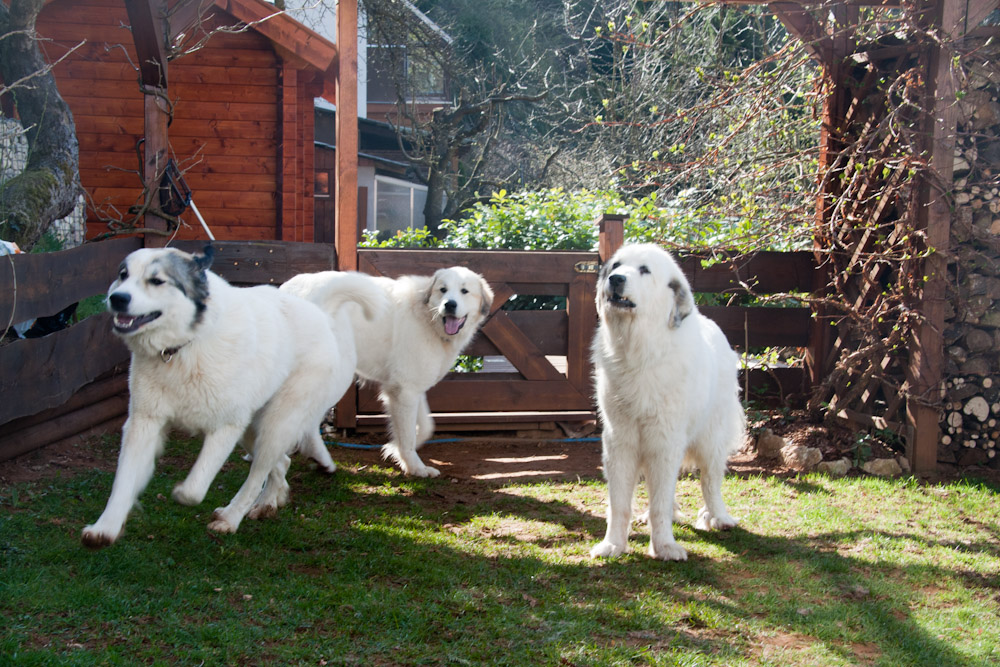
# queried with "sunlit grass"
point(368, 567)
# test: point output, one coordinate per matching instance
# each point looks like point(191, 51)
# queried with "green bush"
point(559, 220)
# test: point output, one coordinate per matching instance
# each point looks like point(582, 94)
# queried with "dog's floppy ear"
point(429, 291)
point(204, 260)
point(487, 297)
point(683, 302)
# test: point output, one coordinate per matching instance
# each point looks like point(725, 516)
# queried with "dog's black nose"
point(119, 301)
point(617, 281)
point(450, 305)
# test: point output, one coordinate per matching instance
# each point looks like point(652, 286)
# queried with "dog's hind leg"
point(714, 515)
point(313, 447)
point(219, 444)
point(402, 408)
point(275, 493)
point(142, 442)
point(276, 435)
point(425, 423)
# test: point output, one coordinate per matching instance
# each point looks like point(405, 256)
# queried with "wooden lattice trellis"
point(883, 215)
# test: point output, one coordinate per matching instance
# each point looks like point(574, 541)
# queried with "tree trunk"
point(48, 188)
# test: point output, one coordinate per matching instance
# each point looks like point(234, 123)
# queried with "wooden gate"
point(549, 374)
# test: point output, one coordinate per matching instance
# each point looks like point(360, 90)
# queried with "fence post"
point(611, 235)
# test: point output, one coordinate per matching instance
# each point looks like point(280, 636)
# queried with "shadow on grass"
point(370, 567)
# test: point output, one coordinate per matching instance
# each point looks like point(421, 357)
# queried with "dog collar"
point(168, 353)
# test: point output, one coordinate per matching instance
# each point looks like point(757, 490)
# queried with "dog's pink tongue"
point(452, 325)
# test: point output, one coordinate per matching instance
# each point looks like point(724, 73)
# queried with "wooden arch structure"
point(853, 73)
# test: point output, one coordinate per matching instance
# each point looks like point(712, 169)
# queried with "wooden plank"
point(183, 146)
point(220, 199)
point(519, 349)
point(100, 389)
point(64, 426)
point(478, 421)
point(532, 268)
point(219, 181)
point(40, 284)
point(765, 327)
point(492, 392)
point(503, 395)
point(264, 262)
point(100, 71)
point(582, 322)
point(43, 373)
point(766, 272)
point(546, 329)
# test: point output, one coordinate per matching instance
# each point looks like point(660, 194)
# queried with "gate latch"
point(591, 266)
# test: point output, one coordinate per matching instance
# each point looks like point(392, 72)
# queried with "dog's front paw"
point(93, 538)
point(667, 551)
point(181, 494)
point(708, 522)
point(422, 471)
point(607, 550)
point(219, 523)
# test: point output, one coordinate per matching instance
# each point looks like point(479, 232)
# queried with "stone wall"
point(971, 428)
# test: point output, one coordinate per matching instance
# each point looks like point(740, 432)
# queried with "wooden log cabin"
point(242, 113)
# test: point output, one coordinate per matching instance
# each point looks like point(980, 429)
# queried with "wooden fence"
point(72, 383)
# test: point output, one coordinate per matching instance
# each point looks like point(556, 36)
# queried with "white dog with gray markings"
point(668, 397)
point(225, 362)
point(411, 346)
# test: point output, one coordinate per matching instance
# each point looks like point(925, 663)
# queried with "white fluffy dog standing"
point(668, 397)
point(218, 360)
point(411, 346)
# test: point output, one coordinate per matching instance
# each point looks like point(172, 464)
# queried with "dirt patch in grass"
point(492, 458)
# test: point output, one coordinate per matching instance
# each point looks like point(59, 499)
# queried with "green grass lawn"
point(368, 567)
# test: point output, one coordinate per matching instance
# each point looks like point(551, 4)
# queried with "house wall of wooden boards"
point(242, 127)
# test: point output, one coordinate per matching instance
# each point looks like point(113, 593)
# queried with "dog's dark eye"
point(615, 265)
point(123, 274)
point(155, 282)
point(465, 291)
point(643, 269)
point(443, 290)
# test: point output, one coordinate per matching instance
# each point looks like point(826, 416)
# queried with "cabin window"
point(425, 80)
point(322, 184)
point(398, 204)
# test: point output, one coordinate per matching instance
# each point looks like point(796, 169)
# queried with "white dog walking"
point(668, 396)
point(218, 360)
point(411, 346)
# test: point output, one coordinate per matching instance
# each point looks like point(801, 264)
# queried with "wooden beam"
point(302, 44)
point(803, 25)
point(925, 369)
point(346, 189)
point(148, 33)
point(611, 235)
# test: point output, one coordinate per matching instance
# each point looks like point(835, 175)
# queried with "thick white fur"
point(407, 350)
point(255, 360)
point(668, 397)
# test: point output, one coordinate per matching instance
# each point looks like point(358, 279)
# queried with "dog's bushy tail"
point(331, 290)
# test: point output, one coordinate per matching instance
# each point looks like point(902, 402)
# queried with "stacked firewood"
point(971, 426)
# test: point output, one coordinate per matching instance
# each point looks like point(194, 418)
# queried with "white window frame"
point(389, 180)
